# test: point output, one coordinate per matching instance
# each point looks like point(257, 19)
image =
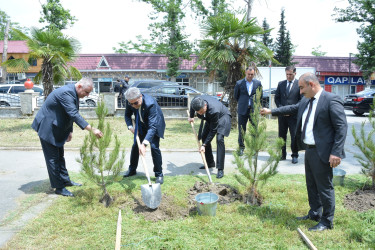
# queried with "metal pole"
point(350, 66)
point(269, 90)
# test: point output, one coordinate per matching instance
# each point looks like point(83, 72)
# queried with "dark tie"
point(136, 125)
point(287, 88)
point(307, 119)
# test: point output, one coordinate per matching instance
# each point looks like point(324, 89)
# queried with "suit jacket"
point(217, 116)
point(329, 127)
point(152, 117)
point(54, 121)
point(281, 97)
point(242, 95)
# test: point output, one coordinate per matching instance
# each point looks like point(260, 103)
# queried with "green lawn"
point(83, 223)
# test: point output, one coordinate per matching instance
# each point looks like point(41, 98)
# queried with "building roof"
point(15, 47)
point(137, 61)
point(327, 64)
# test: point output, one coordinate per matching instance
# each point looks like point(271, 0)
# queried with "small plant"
point(255, 141)
point(98, 166)
point(366, 144)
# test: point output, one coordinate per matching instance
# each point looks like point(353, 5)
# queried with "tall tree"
point(56, 51)
point(317, 51)
point(283, 46)
point(54, 14)
point(363, 12)
point(267, 40)
point(224, 48)
point(4, 18)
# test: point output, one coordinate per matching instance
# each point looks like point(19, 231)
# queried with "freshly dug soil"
point(168, 210)
point(360, 200)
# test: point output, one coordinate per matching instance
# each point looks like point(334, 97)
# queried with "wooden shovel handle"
point(199, 150)
point(142, 157)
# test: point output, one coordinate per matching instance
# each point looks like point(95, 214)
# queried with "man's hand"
point(142, 150)
point(191, 120)
point(265, 111)
point(132, 130)
point(69, 137)
point(334, 161)
point(203, 149)
point(97, 133)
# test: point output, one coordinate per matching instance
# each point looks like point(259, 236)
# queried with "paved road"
point(22, 169)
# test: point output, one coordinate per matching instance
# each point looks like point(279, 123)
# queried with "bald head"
point(309, 85)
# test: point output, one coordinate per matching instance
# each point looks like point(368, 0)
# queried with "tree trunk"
point(47, 75)
point(234, 74)
point(5, 53)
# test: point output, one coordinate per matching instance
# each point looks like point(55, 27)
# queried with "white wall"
point(278, 74)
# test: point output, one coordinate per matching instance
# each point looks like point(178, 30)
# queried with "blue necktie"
point(136, 126)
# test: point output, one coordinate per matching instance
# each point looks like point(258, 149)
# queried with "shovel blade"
point(151, 195)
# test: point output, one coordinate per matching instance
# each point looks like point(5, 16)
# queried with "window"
point(11, 58)
point(183, 81)
point(4, 89)
point(352, 89)
point(17, 89)
point(34, 62)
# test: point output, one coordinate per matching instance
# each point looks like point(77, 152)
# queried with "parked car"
point(173, 95)
point(266, 96)
point(147, 84)
point(9, 94)
point(359, 102)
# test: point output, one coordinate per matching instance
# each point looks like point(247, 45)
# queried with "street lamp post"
point(350, 66)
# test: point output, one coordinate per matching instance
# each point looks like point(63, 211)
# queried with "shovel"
point(199, 149)
point(151, 193)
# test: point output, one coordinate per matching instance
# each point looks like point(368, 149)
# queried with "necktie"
point(287, 88)
point(136, 126)
point(307, 118)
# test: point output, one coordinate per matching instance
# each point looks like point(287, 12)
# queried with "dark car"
point(359, 102)
point(173, 95)
point(147, 84)
point(266, 96)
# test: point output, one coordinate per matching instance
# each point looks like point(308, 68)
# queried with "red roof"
point(15, 47)
point(129, 62)
point(327, 64)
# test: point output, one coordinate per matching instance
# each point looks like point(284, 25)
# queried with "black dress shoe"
point(208, 165)
point(241, 152)
point(307, 217)
point(130, 173)
point(63, 192)
point(320, 227)
point(220, 174)
point(294, 160)
point(160, 180)
point(72, 183)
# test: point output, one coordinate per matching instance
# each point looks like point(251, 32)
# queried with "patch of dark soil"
point(169, 210)
point(360, 200)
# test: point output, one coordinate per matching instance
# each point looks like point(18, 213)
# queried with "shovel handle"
point(143, 158)
point(199, 150)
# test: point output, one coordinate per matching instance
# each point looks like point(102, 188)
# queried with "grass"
point(178, 134)
point(83, 223)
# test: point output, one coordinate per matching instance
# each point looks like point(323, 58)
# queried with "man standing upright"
point(54, 124)
point(287, 93)
point(244, 93)
point(150, 126)
point(321, 131)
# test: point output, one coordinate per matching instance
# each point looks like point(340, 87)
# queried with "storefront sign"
point(104, 79)
point(354, 80)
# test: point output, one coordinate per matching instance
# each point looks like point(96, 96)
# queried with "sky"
point(102, 25)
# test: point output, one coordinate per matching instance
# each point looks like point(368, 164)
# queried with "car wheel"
point(358, 113)
point(4, 104)
point(90, 103)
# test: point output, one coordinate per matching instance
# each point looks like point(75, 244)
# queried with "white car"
point(9, 94)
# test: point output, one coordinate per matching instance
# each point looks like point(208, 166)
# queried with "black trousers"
point(242, 122)
point(55, 161)
point(320, 189)
point(220, 153)
point(155, 153)
point(290, 122)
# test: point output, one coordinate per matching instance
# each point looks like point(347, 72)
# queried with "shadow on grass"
point(34, 187)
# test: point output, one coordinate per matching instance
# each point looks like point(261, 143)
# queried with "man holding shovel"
point(149, 125)
point(218, 122)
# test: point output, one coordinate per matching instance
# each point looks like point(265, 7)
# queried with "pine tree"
point(98, 166)
point(267, 41)
point(255, 140)
point(284, 46)
point(366, 144)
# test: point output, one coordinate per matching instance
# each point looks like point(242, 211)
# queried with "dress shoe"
point(220, 174)
point(130, 173)
point(283, 158)
point(208, 165)
point(320, 227)
point(307, 217)
point(160, 180)
point(294, 160)
point(241, 152)
point(63, 192)
point(72, 183)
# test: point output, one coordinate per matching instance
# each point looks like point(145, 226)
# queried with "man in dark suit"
point(54, 124)
point(287, 93)
point(150, 128)
point(244, 93)
point(321, 131)
point(218, 123)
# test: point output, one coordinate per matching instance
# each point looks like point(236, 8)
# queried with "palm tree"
point(227, 51)
point(56, 51)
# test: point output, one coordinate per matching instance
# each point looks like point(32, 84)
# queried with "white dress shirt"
point(309, 136)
